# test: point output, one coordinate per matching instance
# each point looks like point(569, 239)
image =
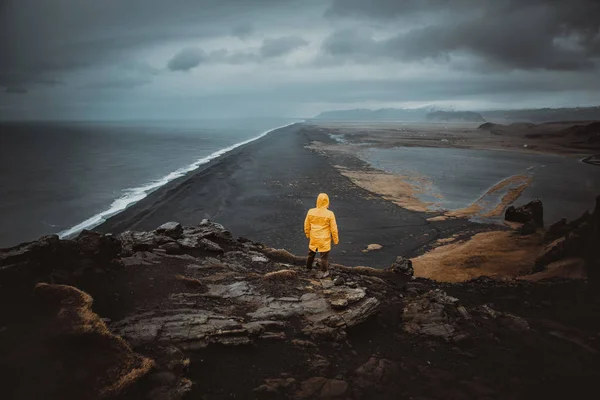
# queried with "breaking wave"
point(133, 195)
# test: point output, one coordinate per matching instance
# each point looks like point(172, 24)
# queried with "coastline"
point(262, 191)
point(138, 193)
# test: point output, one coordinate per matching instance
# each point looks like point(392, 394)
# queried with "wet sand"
point(263, 190)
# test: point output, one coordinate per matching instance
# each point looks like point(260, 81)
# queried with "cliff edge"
point(192, 312)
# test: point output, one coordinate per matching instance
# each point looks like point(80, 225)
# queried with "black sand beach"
point(262, 191)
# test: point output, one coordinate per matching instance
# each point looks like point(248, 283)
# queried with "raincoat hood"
point(322, 200)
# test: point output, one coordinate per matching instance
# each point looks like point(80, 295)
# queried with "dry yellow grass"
point(495, 254)
point(282, 255)
point(112, 366)
point(282, 274)
point(188, 280)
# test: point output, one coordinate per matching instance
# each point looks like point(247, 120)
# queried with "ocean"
point(62, 177)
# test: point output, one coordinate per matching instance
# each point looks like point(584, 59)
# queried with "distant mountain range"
point(541, 115)
point(362, 114)
point(439, 115)
point(454, 116)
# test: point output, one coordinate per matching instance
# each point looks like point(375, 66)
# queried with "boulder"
point(99, 246)
point(532, 211)
point(171, 248)
point(195, 242)
point(402, 266)
point(171, 229)
point(431, 314)
point(133, 241)
point(528, 228)
point(372, 247)
point(341, 297)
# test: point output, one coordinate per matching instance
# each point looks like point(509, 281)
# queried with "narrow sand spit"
point(514, 186)
point(399, 189)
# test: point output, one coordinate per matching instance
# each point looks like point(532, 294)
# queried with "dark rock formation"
point(402, 265)
point(527, 228)
point(579, 238)
point(171, 229)
point(530, 212)
point(191, 312)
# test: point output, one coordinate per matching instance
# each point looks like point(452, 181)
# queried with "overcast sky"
point(130, 59)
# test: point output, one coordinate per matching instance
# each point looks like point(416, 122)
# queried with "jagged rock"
point(431, 314)
point(99, 246)
point(319, 365)
point(235, 290)
point(45, 248)
point(338, 281)
point(171, 248)
point(342, 297)
point(322, 388)
point(142, 241)
point(276, 385)
point(153, 310)
point(402, 265)
point(532, 211)
point(210, 230)
point(195, 242)
point(326, 283)
point(376, 373)
point(171, 229)
point(140, 258)
point(187, 328)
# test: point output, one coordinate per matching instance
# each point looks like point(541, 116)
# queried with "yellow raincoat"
point(320, 226)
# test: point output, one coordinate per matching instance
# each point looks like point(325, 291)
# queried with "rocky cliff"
point(192, 312)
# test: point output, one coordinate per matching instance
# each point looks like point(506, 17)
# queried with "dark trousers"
point(324, 260)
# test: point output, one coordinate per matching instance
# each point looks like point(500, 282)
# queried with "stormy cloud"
point(527, 34)
point(280, 46)
point(186, 59)
point(287, 56)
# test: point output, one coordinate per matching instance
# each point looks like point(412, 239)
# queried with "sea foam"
point(133, 195)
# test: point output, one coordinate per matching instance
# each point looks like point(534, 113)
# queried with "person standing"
point(320, 227)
